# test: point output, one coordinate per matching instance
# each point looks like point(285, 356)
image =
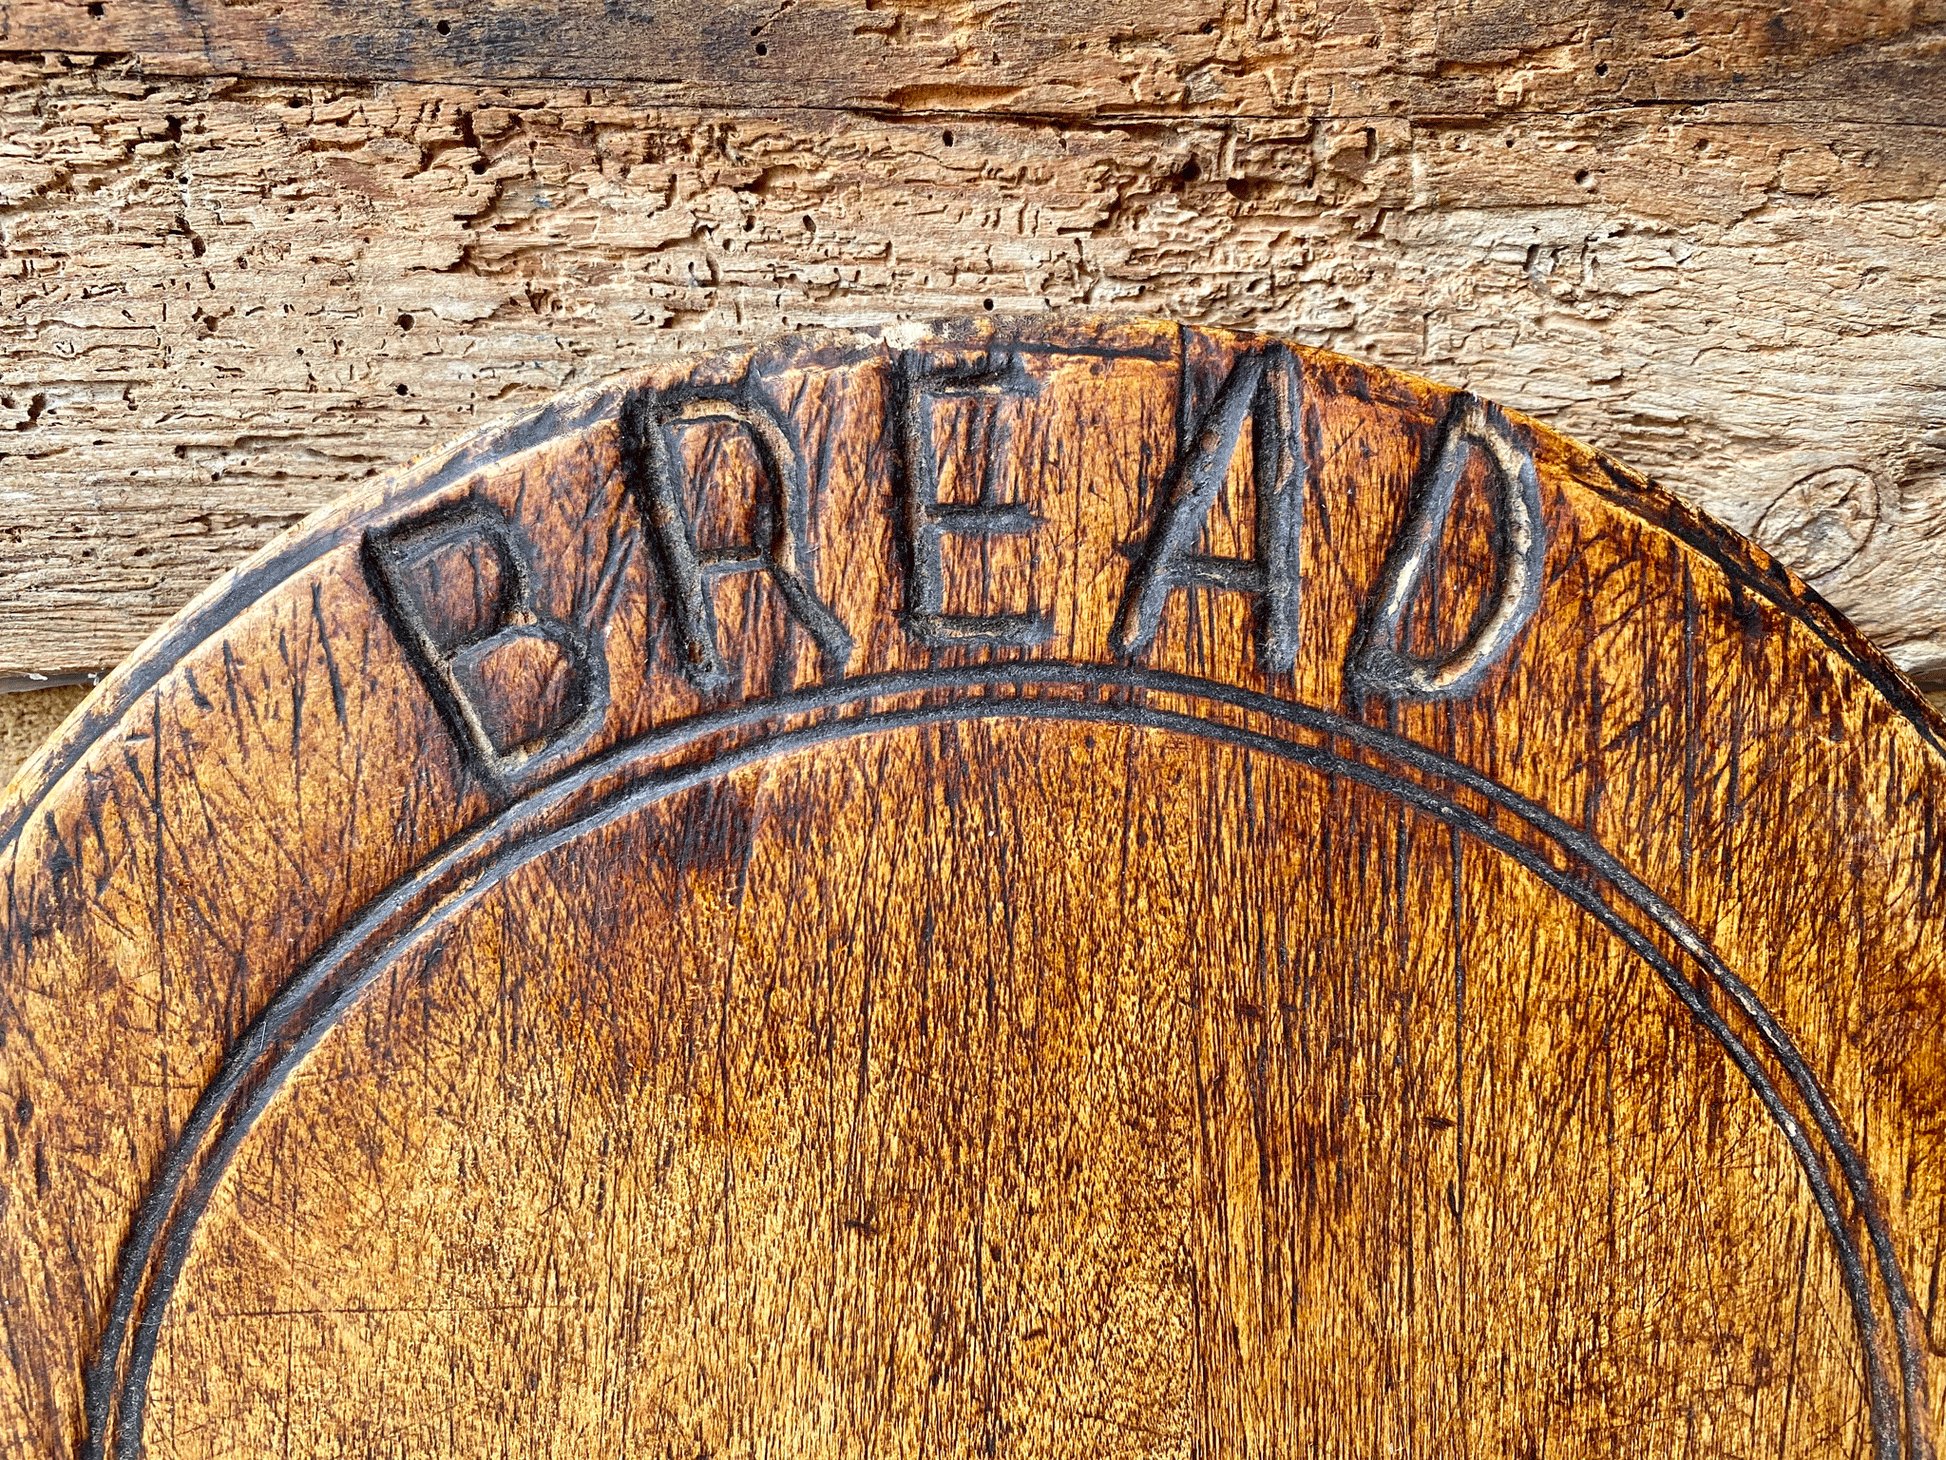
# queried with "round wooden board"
point(1016, 889)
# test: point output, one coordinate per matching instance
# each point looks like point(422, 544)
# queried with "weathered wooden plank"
point(1878, 61)
point(226, 301)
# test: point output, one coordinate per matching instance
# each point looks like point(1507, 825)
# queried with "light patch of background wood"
point(28, 718)
point(246, 265)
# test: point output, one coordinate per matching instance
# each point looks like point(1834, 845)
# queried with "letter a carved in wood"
point(1263, 392)
point(1020, 888)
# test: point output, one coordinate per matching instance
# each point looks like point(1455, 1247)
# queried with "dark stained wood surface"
point(1854, 61)
point(1009, 889)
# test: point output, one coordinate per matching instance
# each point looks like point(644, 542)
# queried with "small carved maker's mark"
point(1820, 522)
point(1379, 664)
point(512, 685)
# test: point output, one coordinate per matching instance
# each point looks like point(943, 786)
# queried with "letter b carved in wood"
point(1010, 889)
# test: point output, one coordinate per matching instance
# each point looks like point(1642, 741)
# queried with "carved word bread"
point(1021, 889)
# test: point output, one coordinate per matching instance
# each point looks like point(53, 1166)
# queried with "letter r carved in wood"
point(652, 420)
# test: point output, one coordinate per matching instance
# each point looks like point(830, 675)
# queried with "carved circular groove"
point(1082, 886)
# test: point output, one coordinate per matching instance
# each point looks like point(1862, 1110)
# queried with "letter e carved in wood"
point(926, 520)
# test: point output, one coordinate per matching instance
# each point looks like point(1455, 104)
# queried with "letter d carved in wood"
point(1085, 887)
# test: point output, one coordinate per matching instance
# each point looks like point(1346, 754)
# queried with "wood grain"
point(28, 717)
point(1087, 888)
point(1866, 61)
point(251, 259)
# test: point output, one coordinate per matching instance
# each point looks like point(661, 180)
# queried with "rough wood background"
point(250, 255)
point(1195, 899)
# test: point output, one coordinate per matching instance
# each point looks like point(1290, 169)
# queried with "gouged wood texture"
point(1705, 242)
point(957, 1002)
